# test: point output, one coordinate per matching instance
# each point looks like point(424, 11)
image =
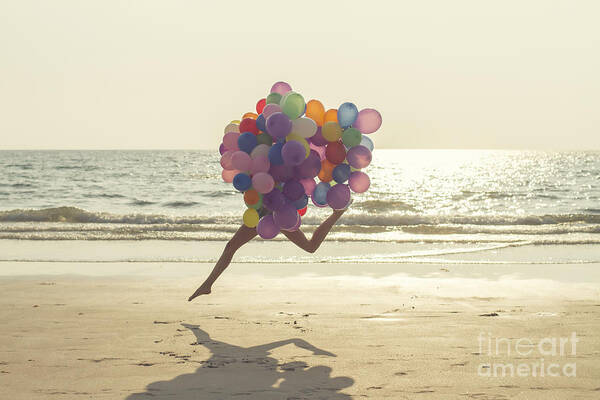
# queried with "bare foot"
point(199, 292)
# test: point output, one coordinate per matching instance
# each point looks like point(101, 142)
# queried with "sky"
point(172, 74)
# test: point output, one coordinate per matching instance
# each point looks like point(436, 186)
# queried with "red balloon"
point(260, 105)
point(248, 125)
point(302, 211)
point(335, 152)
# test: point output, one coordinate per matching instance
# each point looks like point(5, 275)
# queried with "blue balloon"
point(261, 123)
point(320, 193)
point(242, 182)
point(247, 141)
point(301, 202)
point(347, 114)
point(368, 143)
point(275, 157)
point(341, 173)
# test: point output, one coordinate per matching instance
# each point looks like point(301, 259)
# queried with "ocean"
point(482, 198)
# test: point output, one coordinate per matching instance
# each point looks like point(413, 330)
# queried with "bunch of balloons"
point(274, 156)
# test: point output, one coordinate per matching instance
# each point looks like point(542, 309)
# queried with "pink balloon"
point(241, 161)
point(281, 88)
point(229, 174)
point(230, 140)
point(309, 185)
point(263, 182)
point(359, 182)
point(226, 160)
point(270, 109)
point(260, 164)
point(367, 121)
point(359, 157)
point(319, 149)
point(266, 228)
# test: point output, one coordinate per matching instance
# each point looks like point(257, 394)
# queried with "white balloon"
point(304, 127)
point(232, 128)
point(260, 150)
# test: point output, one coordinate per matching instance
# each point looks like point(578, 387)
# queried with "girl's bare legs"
point(241, 237)
point(298, 237)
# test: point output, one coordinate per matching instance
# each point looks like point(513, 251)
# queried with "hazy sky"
point(171, 74)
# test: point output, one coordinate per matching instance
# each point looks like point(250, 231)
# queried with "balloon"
point(248, 125)
point(242, 182)
point(279, 125)
point(304, 127)
point(318, 138)
point(281, 87)
point(250, 115)
point(251, 197)
point(292, 104)
point(368, 121)
point(320, 150)
point(250, 218)
point(235, 121)
point(347, 114)
point(296, 225)
point(315, 111)
point(260, 150)
point(301, 140)
point(271, 109)
point(232, 128)
point(330, 116)
point(351, 137)
point(263, 182)
point(230, 140)
point(293, 190)
point(320, 194)
point(275, 157)
point(264, 138)
point(318, 204)
point(335, 152)
point(273, 98)
point(266, 228)
point(261, 123)
point(341, 173)
point(359, 182)
point(229, 174)
point(226, 160)
point(309, 185)
point(359, 157)
point(338, 196)
point(241, 161)
point(301, 202)
point(331, 131)
point(325, 175)
point(247, 142)
point(281, 173)
point(260, 105)
point(310, 167)
point(302, 211)
point(293, 153)
point(222, 149)
point(368, 143)
point(286, 216)
point(274, 200)
point(259, 164)
point(258, 204)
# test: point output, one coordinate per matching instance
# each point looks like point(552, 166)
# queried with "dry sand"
point(293, 331)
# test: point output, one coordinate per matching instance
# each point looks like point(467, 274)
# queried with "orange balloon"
point(325, 176)
point(251, 115)
point(315, 111)
point(251, 197)
point(327, 165)
point(330, 116)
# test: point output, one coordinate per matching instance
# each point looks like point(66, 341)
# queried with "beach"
point(124, 330)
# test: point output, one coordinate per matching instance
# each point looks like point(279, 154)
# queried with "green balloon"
point(274, 98)
point(292, 105)
point(264, 138)
point(258, 203)
point(351, 137)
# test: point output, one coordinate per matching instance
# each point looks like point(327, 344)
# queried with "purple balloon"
point(318, 138)
point(338, 196)
point(293, 189)
point(274, 200)
point(281, 87)
point(367, 121)
point(309, 185)
point(222, 149)
point(279, 125)
point(286, 218)
point(281, 173)
point(293, 153)
point(309, 167)
point(297, 226)
point(319, 149)
point(359, 182)
point(266, 228)
point(359, 156)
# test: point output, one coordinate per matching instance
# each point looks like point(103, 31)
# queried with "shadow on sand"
point(234, 372)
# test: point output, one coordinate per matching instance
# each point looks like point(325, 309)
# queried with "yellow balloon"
point(235, 121)
point(251, 218)
point(301, 140)
point(331, 131)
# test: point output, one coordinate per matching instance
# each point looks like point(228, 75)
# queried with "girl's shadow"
point(249, 373)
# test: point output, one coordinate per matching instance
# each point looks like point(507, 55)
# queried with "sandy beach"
point(74, 330)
